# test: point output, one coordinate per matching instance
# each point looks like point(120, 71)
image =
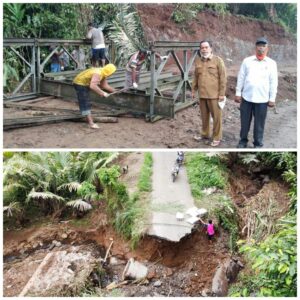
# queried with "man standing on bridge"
point(96, 80)
point(256, 91)
point(210, 82)
point(134, 65)
point(98, 45)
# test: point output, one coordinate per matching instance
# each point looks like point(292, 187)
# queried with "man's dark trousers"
point(259, 112)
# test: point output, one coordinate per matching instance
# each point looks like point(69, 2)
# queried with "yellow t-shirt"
point(84, 77)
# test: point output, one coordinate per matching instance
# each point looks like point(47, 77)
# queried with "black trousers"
point(259, 112)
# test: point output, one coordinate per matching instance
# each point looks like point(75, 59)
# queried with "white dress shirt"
point(257, 80)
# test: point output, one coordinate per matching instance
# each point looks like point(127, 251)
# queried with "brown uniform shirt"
point(209, 77)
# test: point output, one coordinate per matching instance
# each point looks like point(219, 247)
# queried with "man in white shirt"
point(256, 91)
point(98, 45)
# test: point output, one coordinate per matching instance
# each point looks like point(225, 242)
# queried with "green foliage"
point(284, 14)
point(183, 13)
point(125, 220)
point(220, 8)
point(127, 211)
point(145, 179)
point(43, 20)
point(227, 218)
point(109, 176)
point(204, 172)
point(126, 33)
point(290, 176)
point(49, 180)
point(87, 191)
point(280, 160)
point(274, 262)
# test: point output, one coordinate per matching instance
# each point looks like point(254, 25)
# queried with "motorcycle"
point(175, 172)
point(180, 158)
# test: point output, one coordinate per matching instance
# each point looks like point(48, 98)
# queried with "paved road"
point(168, 198)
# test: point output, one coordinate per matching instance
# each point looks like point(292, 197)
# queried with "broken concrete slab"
point(59, 270)
point(134, 270)
point(166, 226)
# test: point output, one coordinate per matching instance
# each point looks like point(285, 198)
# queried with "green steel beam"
point(137, 102)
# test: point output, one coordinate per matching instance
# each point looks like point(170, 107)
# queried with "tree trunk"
point(271, 11)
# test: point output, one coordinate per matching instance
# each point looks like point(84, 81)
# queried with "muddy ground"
point(280, 130)
point(185, 268)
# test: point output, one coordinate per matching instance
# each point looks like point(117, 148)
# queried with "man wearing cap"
point(210, 82)
point(96, 80)
point(256, 91)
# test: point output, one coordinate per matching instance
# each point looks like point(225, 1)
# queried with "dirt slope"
point(233, 37)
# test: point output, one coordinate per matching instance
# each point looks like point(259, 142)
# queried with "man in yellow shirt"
point(210, 82)
point(96, 80)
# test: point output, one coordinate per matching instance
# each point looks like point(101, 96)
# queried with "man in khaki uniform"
point(210, 82)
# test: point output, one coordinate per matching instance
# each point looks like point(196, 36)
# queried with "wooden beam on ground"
point(36, 121)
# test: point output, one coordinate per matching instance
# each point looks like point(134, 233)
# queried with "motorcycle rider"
point(180, 157)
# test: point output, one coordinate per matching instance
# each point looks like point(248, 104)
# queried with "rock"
point(113, 261)
point(156, 294)
point(35, 245)
point(265, 178)
point(240, 264)
point(169, 272)
point(210, 190)
point(151, 274)
point(51, 247)
point(56, 243)
point(190, 266)
point(134, 270)
point(157, 283)
point(64, 236)
point(232, 269)
point(220, 283)
point(111, 286)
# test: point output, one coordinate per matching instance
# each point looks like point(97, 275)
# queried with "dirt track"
point(280, 131)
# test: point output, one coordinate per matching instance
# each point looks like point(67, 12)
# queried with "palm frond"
point(71, 186)
point(33, 195)
point(79, 205)
point(12, 208)
point(125, 32)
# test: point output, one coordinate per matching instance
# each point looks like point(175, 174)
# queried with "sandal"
point(94, 126)
point(200, 138)
point(215, 143)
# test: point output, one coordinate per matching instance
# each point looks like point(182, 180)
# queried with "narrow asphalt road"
point(168, 198)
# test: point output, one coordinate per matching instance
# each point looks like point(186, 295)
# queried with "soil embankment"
point(233, 37)
point(186, 268)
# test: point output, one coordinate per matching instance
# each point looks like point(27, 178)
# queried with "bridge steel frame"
point(149, 101)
